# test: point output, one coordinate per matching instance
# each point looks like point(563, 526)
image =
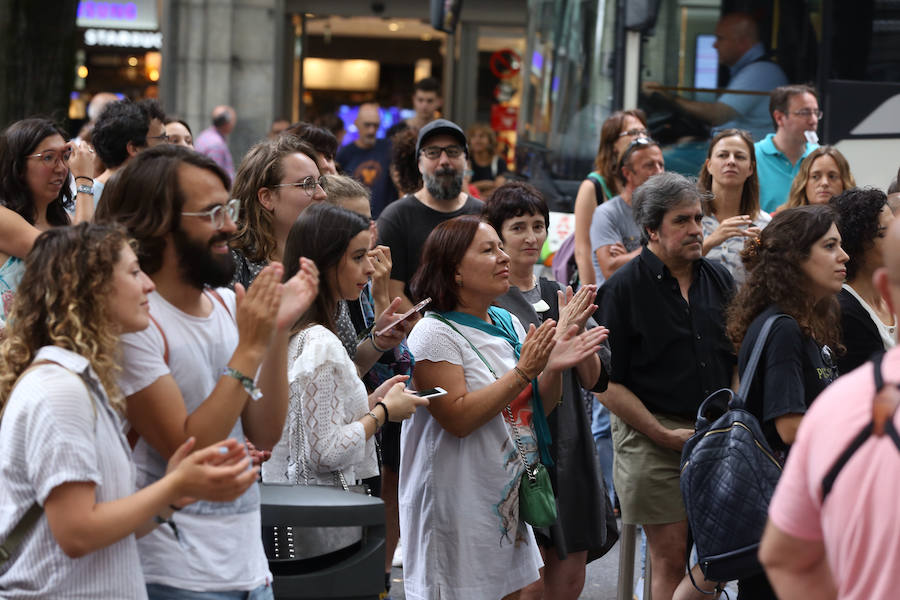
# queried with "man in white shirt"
point(212, 364)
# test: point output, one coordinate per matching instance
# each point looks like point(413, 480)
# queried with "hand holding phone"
point(435, 392)
point(403, 317)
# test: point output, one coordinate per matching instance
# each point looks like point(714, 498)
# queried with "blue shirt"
point(371, 167)
point(775, 172)
point(751, 73)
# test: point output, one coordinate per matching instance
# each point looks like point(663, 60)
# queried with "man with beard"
point(441, 152)
point(665, 314)
point(211, 365)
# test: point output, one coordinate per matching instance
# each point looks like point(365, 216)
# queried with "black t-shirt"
point(670, 353)
point(405, 225)
point(486, 172)
point(372, 167)
point(792, 371)
point(859, 332)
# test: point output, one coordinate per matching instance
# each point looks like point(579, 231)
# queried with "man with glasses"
point(213, 141)
point(441, 152)
point(368, 158)
point(795, 114)
point(615, 237)
point(123, 129)
point(211, 365)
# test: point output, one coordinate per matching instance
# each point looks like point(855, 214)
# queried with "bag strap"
point(34, 512)
point(217, 296)
point(884, 406)
point(750, 369)
point(477, 351)
point(602, 191)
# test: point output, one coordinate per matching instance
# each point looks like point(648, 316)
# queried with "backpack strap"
point(601, 190)
point(217, 296)
point(755, 355)
point(884, 406)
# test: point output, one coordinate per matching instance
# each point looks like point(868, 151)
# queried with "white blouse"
point(322, 433)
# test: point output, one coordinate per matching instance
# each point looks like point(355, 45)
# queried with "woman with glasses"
point(602, 184)
point(67, 478)
point(276, 181)
point(732, 214)
point(796, 268)
point(823, 174)
point(37, 168)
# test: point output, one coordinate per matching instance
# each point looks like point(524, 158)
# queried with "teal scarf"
point(502, 326)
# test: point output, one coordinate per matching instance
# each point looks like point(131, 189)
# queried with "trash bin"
point(355, 572)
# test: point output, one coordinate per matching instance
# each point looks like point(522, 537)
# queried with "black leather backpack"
point(728, 476)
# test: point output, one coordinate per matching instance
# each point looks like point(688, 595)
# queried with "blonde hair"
point(262, 168)
point(797, 195)
point(341, 187)
point(61, 301)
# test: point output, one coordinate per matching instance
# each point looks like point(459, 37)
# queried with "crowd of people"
point(176, 328)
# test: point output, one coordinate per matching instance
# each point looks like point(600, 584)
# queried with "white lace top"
point(322, 433)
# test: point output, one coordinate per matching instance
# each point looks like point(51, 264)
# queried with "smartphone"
point(435, 392)
point(403, 317)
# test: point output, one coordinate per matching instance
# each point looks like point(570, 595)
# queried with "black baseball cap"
point(439, 127)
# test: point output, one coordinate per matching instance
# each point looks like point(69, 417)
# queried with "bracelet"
point(371, 414)
point(84, 177)
point(386, 414)
point(374, 345)
point(248, 384)
point(521, 374)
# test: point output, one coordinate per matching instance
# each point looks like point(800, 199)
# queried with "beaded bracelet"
point(521, 374)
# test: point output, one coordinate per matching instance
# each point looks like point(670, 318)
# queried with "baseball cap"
point(441, 127)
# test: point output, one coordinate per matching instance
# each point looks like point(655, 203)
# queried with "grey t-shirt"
point(613, 222)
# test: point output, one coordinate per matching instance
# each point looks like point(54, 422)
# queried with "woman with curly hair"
point(66, 474)
point(867, 323)
point(602, 184)
point(732, 214)
point(823, 174)
point(796, 268)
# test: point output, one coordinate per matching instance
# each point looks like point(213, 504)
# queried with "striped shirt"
point(54, 432)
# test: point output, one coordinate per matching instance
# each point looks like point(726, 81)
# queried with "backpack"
point(728, 476)
point(564, 268)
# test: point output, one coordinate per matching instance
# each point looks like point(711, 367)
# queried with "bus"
point(587, 58)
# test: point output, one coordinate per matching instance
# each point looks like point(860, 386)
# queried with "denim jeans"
point(157, 591)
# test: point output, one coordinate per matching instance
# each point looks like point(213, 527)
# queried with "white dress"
point(459, 511)
point(728, 253)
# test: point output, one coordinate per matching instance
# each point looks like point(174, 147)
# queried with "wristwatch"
point(85, 189)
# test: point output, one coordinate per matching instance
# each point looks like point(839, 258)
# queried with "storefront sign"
point(134, 14)
point(121, 38)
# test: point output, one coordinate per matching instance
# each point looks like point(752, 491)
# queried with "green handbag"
point(537, 505)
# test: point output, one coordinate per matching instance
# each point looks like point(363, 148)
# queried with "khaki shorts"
point(647, 475)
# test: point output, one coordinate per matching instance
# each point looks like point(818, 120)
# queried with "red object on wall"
point(503, 118)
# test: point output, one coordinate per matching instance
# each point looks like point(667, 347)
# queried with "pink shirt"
point(860, 522)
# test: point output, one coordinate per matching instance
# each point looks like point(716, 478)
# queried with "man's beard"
point(444, 184)
point(199, 265)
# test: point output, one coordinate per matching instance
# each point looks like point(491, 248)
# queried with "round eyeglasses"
point(217, 213)
point(308, 184)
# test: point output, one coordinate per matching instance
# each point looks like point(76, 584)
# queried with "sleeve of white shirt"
point(59, 430)
point(143, 359)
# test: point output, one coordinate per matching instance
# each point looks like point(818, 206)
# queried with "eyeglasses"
point(308, 184)
point(807, 113)
point(432, 152)
point(635, 133)
point(49, 157)
point(164, 138)
point(217, 214)
point(637, 144)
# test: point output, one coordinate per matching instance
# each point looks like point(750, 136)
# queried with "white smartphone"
point(403, 317)
point(435, 392)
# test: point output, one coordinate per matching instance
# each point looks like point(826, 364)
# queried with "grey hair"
point(660, 194)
